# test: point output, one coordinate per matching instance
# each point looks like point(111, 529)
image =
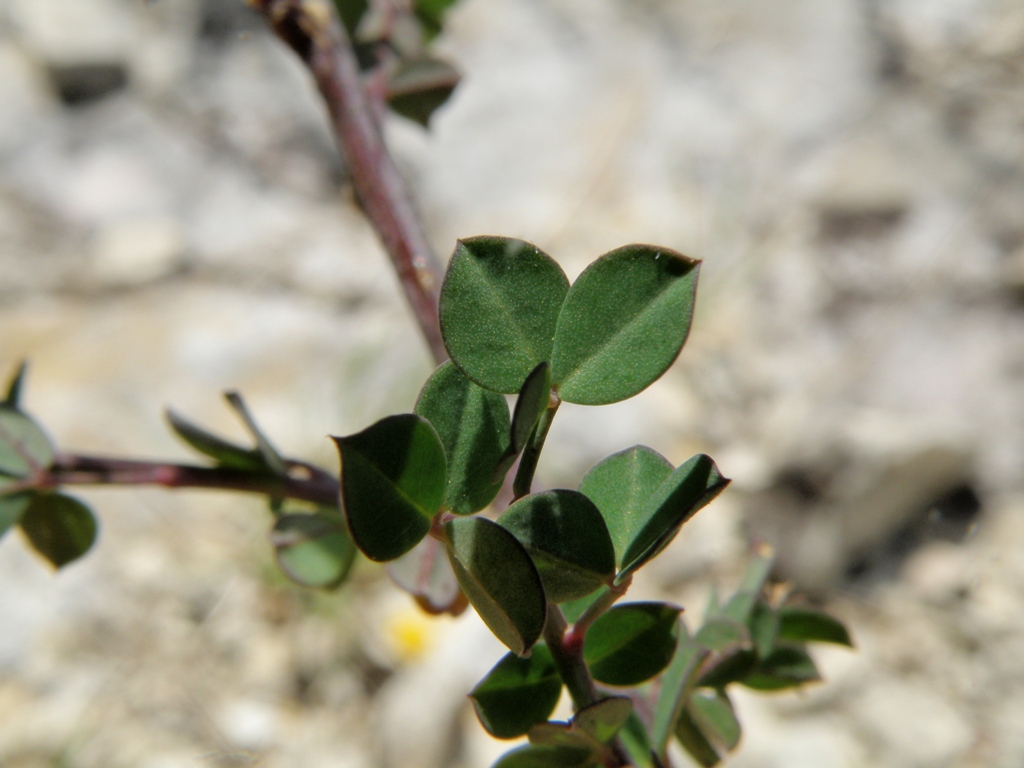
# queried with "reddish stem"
point(315, 33)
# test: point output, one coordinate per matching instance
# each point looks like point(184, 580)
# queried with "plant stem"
point(605, 601)
point(312, 29)
point(569, 660)
point(304, 482)
point(523, 483)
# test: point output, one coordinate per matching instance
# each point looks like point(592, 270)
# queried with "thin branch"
point(304, 482)
point(312, 29)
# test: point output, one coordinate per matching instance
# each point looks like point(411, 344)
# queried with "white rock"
point(135, 251)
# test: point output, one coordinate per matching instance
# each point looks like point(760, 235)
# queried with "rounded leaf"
point(392, 481)
point(12, 507)
point(631, 643)
point(548, 756)
point(498, 308)
point(623, 323)
point(680, 496)
point(24, 447)
point(517, 693)
point(567, 539)
point(620, 486)
point(58, 527)
point(805, 624)
point(788, 666)
point(500, 580)
point(603, 719)
point(473, 424)
point(314, 550)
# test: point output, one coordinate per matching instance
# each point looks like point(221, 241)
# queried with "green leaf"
point(314, 550)
point(12, 507)
point(620, 486)
point(351, 13)
point(804, 624)
point(425, 573)
point(517, 693)
point(631, 643)
point(567, 539)
point(636, 743)
point(500, 580)
point(623, 323)
point(392, 481)
point(24, 447)
point(534, 396)
point(788, 666)
point(419, 86)
point(58, 527)
point(680, 496)
point(603, 720)
point(712, 712)
point(733, 652)
point(547, 756)
point(740, 606)
point(14, 388)
point(695, 741)
point(764, 627)
point(224, 452)
point(473, 424)
point(561, 734)
point(269, 453)
point(499, 304)
point(431, 14)
point(676, 686)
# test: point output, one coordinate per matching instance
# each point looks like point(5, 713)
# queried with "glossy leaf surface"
point(473, 424)
point(680, 496)
point(517, 693)
point(547, 756)
point(392, 481)
point(623, 323)
point(804, 624)
point(631, 643)
point(567, 539)
point(498, 309)
point(500, 580)
point(58, 527)
point(620, 486)
point(314, 550)
point(24, 447)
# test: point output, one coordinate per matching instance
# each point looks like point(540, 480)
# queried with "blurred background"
point(175, 221)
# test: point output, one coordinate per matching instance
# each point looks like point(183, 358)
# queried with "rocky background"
point(174, 222)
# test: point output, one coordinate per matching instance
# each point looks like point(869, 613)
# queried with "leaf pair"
point(506, 307)
point(644, 501)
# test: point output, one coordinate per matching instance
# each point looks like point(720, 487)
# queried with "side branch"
point(311, 28)
point(304, 482)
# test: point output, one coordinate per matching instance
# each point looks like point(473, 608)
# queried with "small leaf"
point(620, 486)
point(500, 580)
point(419, 86)
point(392, 482)
point(547, 756)
point(517, 693)
point(695, 741)
point(764, 627)
point(636, 743)
point(804, 624)
point(631, 643)
point(788, 666)
point(681, 495)
point(431, 14)
point(269, 453)
point(24, 447)
point(58, 527)
point(12, 507)
point(567, 539)
point(498, 308)
point(425, 573)
point(473, 424)
point(676, 686)
point(623, 323)
point(712, 712)
point(224, 452)
point(603, 720)
point(741, 604)
point(314, 550)
point(733, 652)
point(534, 396)
point(14, 388)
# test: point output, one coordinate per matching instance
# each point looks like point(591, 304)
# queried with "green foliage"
point(314, 550)
point(518, 693)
